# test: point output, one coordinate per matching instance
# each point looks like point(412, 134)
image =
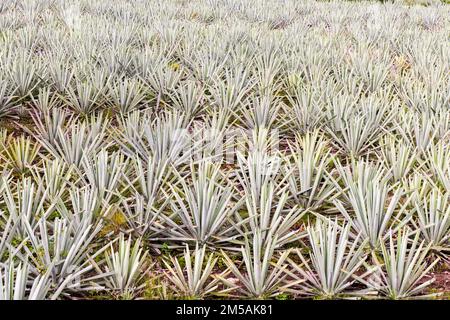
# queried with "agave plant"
point(46, 101)
point(262, 277)
point(83, 97)
point(7, 106)
point(404, 264)
point(416, 129)
point(189, 100)
point(194, 280)
point(14, 283)
point(74, 141)
point(307, 175)
point(211, 122)
point(165, 137)
point(67, 248)
point(25, 205)
point(398, 157)
point(61, 75)
point(373, 209)
point(55, 176)
point(82, 207)
point(20, 153)
point(127, 266)
point(204, 208)
point(260, 112)
point(373, 73)
point(359, 130)
point(438, 160)
point(126, 96)
point(227, 95)
point(266, 201)
point(150, 177)
point(306, 107)
point(23, 72)
point(104, 173)
point(329, 268)
point(433, 219)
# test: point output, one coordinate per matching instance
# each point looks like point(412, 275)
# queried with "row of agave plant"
point(166, 149)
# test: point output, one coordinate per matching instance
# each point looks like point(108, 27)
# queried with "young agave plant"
point(372, 71)
point(7, 106)
point(46, 101)
point(306, 108)
point(66, 248)
point(55, 176)
point(202, 209)
point(25, 204)
point(127, 266)
point(194, 280)
point(262, 277)
point(165, 137)
point(307, 176)
point(265, 200)
point(149, 177)
point(433, 219)
point(417, 129)
point(259, 112)
point(399, 157)
point(189, 100)
point(20, 153)
point(15, 279)
point(75, 140)
point(82, 207)
point(148, 201)
point(48, 124)
point(359, 130)
point(228, 94)
point(258, 169)
point(61, 74)
point(126, 95)
point(403, 265)
point(335, 257)
point(437, 160)
point(273, 217)
point(162, 80)
point(375, 205)
point(23, 72)
point(82, 98)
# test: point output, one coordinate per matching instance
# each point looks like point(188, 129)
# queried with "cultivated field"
point(162, 149)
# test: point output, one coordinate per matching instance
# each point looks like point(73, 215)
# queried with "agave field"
point(211, 149)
